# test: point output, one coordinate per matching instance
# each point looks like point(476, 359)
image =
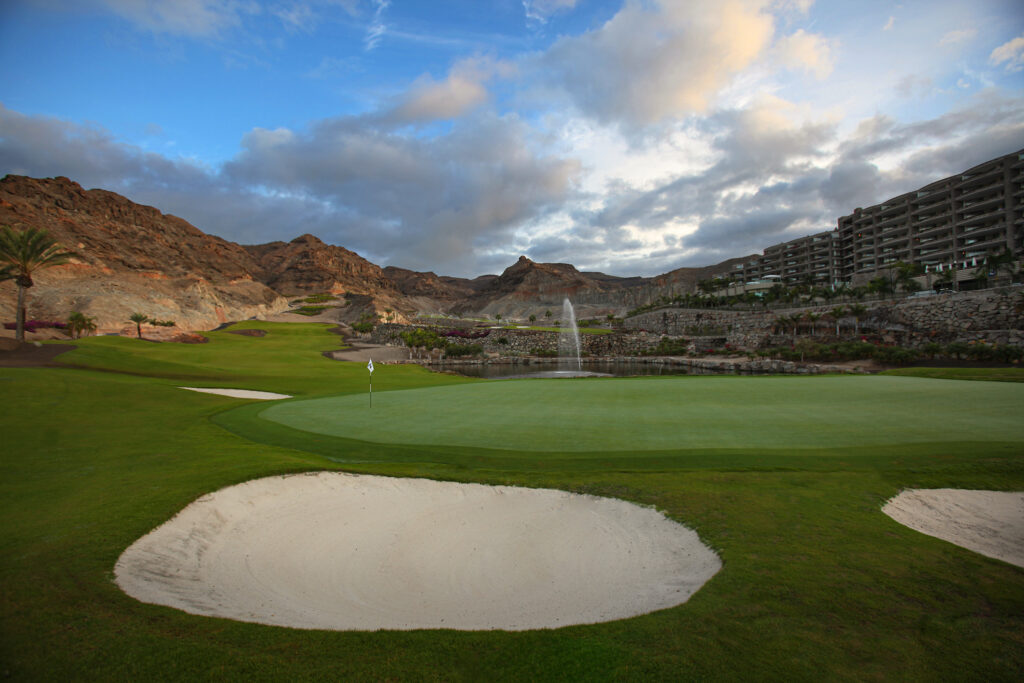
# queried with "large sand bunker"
point(988, 522)
point(351, 552)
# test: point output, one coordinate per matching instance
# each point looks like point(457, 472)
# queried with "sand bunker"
point(345, 552)
point(987, 522)
point(241, 393)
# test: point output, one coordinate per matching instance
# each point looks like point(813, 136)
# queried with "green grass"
point(645, 414)
point(817, 583)
point(987, 374)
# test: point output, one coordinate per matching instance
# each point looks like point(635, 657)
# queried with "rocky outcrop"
point(306, 265)
point(129, 258)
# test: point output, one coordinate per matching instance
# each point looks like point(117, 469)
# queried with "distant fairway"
point(671, 414)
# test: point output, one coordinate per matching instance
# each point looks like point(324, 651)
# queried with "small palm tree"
point(21, 254)
point(138, 319)
point(80, 323)
point(857, 311)
point(836, 314)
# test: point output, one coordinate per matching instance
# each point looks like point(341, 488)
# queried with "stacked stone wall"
point(996, 316)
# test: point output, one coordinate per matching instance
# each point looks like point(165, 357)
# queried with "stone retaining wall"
point(996, 316)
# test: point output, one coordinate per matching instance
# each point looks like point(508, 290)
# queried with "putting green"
point(671, 414)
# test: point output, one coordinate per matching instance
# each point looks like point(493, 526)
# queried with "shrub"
point(956, 349)
point(422, 337)
point(161, 323)
point(34, 325)
point(544, 353)
point(1008, 354)
point(458, 350)
point(932, 349)
point(980, 351)
point(894, 355)
point(367, 321)
point(466, 334)
point(668, 347)
point(503, 341)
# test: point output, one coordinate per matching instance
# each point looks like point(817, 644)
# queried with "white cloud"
point(957, 37)
point(462, 91)
point(541, 10)
point(375, 32)
point(659, 60)
point(195, 18)
point(1011, 52)
point(807, 51)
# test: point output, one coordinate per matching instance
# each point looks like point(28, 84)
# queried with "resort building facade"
point(951, 224)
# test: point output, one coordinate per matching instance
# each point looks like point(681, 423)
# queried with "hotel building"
point(949, 224)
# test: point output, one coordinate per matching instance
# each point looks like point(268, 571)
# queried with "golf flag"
point(369, 366)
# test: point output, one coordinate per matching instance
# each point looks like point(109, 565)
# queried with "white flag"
point(369, 366)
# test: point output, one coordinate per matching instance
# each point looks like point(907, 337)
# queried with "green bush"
point(459, 350)
point(503, 341)
point(980, 351)
point(1008, 354)
point(367, 321)
point(544, 353)
point(894, 355)
point(668, 347)
point(957, 349)
point(422, 337)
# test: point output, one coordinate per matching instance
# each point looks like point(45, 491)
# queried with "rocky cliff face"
point(129, 258)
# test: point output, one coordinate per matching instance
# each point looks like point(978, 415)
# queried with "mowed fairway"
point(670, 413)
point(816, 584)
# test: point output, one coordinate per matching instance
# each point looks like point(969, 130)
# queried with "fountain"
point(569, 340)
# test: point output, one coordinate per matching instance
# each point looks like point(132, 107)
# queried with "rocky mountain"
point(133, 258)
point(129, 258)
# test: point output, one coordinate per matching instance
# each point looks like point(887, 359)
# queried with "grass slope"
point(817, 582)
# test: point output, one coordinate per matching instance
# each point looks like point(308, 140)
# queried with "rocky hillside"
point(129, 258)
point(133, 258)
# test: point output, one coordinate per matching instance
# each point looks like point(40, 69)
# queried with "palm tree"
point(138, 319)
point(813, 318)
point(80, 323)
point(836, 314)
point(948, 277)
point(1003, 262)
point(21, 254)
point(857, 311)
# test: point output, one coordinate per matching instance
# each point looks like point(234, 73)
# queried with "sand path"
point(987, 522)
point(336, 551)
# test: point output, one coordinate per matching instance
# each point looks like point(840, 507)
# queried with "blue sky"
point(630, 137)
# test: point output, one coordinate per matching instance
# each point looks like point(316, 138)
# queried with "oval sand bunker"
point(352, 552)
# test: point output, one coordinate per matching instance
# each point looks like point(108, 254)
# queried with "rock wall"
point(528, 342)
point(995, 315)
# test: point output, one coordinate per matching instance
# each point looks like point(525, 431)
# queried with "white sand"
point(241, 393)
point(347, 552)
point(987, 522)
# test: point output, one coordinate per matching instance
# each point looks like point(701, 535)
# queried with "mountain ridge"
point(132, 257)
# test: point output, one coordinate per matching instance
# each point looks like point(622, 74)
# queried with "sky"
point(630, 137)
